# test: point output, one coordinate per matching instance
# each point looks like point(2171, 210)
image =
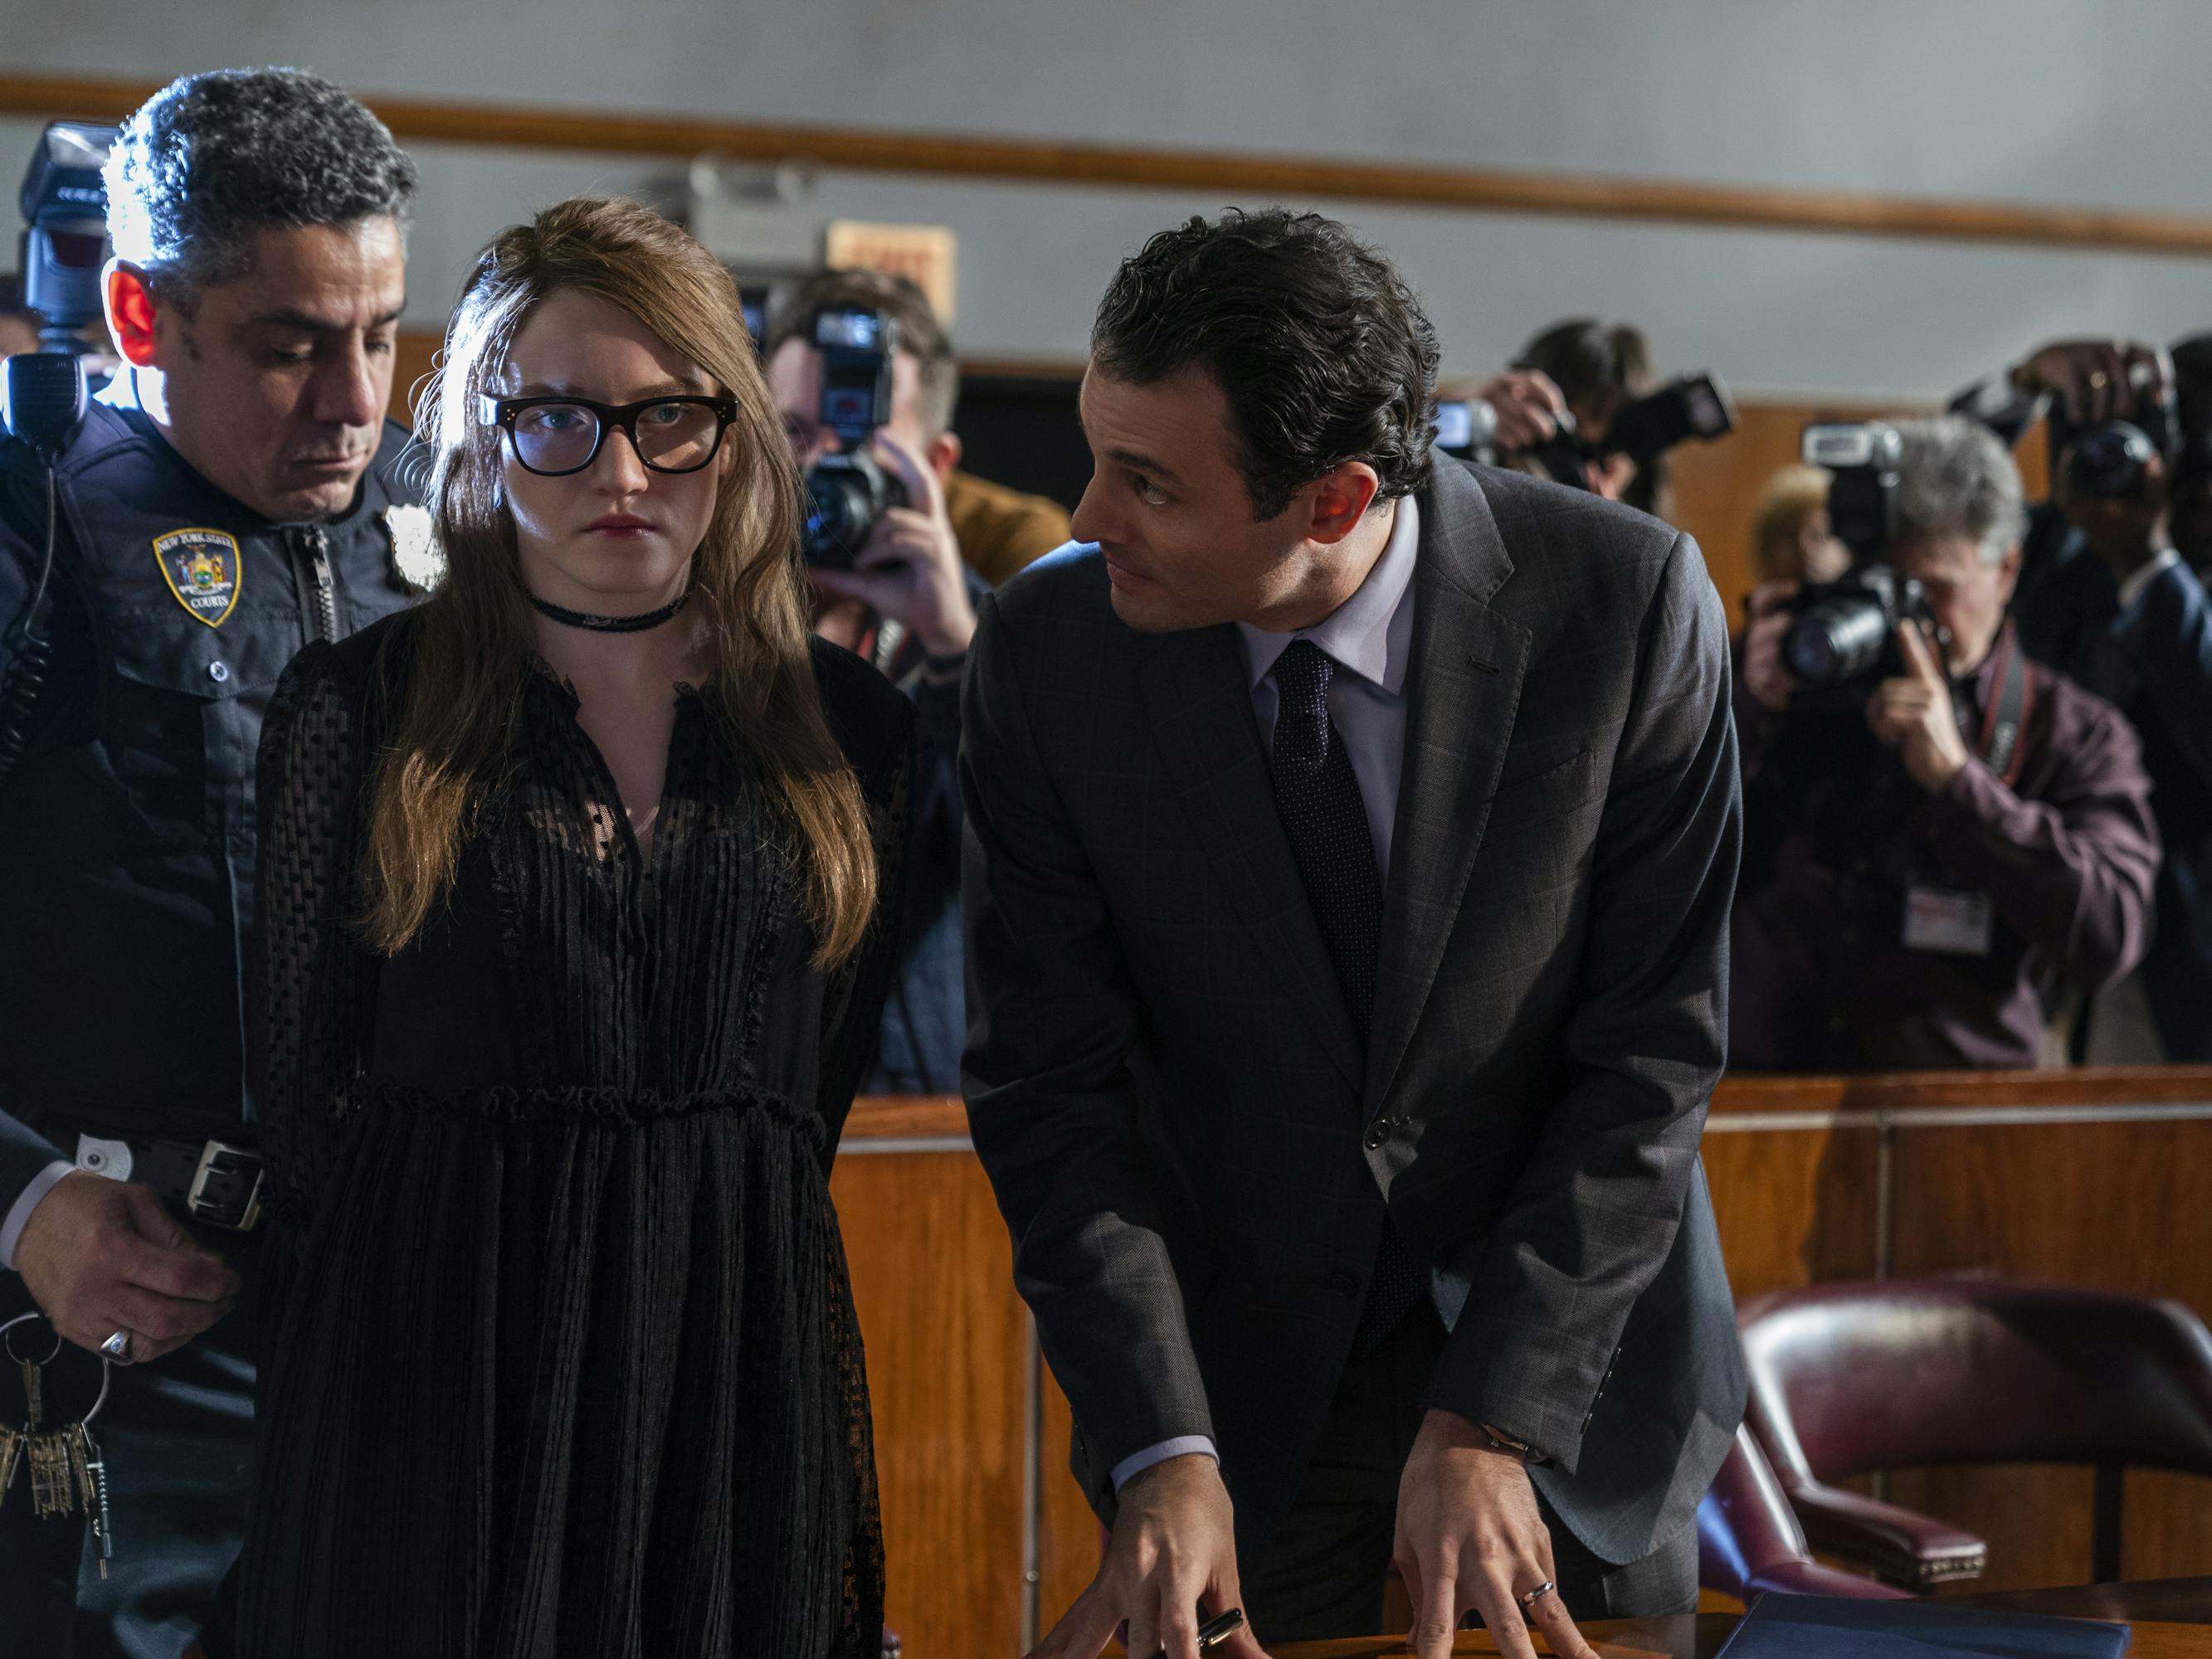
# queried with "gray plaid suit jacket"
point(1190, 1147)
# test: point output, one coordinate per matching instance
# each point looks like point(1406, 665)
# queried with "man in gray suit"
point(1351, 835)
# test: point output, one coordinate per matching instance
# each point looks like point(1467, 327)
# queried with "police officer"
point(231, 496)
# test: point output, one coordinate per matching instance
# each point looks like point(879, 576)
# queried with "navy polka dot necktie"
point(1317, 796)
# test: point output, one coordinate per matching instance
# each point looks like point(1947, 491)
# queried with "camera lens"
point(840, 513)
point(1836, 640)
point(2107, 460)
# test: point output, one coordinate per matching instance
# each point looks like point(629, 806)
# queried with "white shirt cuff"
point(19, 1212)
point(1183, 1445)
point(2132, 589)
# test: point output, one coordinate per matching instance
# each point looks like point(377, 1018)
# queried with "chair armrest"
point(1901, 1545)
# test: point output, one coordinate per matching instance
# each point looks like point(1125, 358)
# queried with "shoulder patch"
point(204, 570)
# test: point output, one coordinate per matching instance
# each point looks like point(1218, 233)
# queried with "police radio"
point(42, 392)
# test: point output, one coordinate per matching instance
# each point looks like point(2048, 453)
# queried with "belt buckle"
point(227, 1187)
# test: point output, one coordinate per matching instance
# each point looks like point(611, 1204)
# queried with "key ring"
point(8, 1343)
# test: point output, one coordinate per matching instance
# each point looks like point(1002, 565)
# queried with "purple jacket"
point(1837, 837)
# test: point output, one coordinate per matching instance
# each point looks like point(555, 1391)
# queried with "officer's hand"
point(1764, 676)
point(2097, 380)
point(909, 569)
point(101, 1256)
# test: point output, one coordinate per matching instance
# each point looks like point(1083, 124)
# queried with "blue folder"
point(1839, 1627)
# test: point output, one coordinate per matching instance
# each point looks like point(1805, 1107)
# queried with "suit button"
point(1345, 1286)
point(1377, 1132)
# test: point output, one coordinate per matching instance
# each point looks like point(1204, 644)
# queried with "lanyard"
point(2007, 715)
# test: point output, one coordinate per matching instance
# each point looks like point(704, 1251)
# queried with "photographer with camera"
point(2111, 594)
point(1938, 830)
point(1582, 407)
point(228, 498)
point(900, 543)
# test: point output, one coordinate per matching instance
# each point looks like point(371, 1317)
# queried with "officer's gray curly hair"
point(211, 158)
point(1956, 478)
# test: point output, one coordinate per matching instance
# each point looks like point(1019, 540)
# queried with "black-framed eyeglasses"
point(554, 436)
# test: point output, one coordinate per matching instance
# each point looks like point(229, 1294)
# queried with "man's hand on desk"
point(1469, 1537)
point(1174, 1546)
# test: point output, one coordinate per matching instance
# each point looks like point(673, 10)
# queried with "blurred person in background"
point(998, 530)
point(1932, 852)
point(909, 604)
point(2112, 593)
point(1598, 367)
point(1791, 537)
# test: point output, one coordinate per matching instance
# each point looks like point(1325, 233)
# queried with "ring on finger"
point(117, 1347)
point(1529, 1600)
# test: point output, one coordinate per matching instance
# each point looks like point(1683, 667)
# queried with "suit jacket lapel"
point(1463, 686)
point(1200, 703)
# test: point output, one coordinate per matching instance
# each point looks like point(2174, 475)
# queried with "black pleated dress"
point(562, 1356)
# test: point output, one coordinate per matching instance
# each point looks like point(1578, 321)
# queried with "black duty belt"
point(215, 1183)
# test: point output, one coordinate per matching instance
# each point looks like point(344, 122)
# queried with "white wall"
point(2049, 100)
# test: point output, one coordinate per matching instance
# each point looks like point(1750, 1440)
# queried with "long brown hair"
point(471, 639)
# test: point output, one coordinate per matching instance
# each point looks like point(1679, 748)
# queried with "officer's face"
point(617, 538)
point(274, 385)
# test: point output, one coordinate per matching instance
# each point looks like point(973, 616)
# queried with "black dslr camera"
point(2106, 460)
point(1695, 406)
point(848, 493)
point(1844, 633)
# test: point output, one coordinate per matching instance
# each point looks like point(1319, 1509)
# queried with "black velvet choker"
point(636, 624)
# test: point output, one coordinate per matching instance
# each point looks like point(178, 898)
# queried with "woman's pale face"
point(617, 538)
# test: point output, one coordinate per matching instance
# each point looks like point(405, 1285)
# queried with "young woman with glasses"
point(569, 963)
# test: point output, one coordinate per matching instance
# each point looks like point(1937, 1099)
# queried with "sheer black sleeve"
point(852, 1003)
point(312, 979)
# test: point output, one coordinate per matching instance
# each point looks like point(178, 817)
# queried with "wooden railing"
point(1229, 175)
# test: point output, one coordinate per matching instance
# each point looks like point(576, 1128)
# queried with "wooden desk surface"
point(2172, 1617)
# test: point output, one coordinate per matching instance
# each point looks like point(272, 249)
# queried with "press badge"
point(1950, 923)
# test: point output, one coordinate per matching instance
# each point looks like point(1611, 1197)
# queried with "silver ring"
point(117, 1346)
point(1537, 1594)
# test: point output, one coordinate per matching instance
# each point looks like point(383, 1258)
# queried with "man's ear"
point(2009, 574)
point(943, 454)
point(1340, 500)
point(130, 311)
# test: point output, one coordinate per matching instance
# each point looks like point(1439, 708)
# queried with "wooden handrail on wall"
point(903, 1116)
point(1245, 177)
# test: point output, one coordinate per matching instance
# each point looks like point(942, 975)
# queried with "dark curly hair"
point(1320, 350)
point(211, 158)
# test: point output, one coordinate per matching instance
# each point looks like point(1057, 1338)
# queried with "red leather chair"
point(1850, 1378)
point(1748, 1538)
